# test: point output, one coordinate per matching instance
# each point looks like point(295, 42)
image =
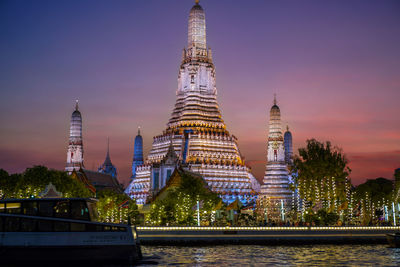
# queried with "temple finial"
point(274, 99)
point(108, 146)
point(138, 131)
point(197, 2)
point(287, 127)
point(76, 104)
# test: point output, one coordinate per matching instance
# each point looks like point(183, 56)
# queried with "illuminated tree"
point(372, 196)
point(117, 208)
point(112, 206)
point(179, 207)
point(320, 172)
point(396, 195)
point(34, 180)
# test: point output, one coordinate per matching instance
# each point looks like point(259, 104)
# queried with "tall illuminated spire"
point(197, 27)
point(287, 141)
point(137, 153)
point(195, 133)
point(275, 189)
point(75, 144)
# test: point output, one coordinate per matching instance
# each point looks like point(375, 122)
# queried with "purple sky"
point(335, 66)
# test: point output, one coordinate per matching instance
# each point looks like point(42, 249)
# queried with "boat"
point(394, 240)
point(62, 230)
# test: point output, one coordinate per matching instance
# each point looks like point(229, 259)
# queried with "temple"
point(75, 144)
point(288, 144)
point(275, 191)
point(137, 153)
point(196, 137)
point(107, 167)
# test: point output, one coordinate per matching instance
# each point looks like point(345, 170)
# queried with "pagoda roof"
point(100, 181)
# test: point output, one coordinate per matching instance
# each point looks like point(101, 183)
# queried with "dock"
point(264, 235)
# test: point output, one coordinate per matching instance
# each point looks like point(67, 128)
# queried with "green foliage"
point(320, 173)
point(117, 208)
point(376, 190)
point(34, 180)
point(322, 218)
point(179, 207)
point(246, 220)
point(396, 195)
point(372, 196)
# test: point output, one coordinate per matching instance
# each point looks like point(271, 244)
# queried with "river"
point(253, 255)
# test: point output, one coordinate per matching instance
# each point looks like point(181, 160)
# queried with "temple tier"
point(196, 135)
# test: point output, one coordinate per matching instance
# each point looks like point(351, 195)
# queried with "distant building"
point(107, 167)
point(137, 153)
point(75, 145)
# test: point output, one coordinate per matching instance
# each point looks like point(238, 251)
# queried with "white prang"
point(275, 186)
point(75, 145)
point(196, 132)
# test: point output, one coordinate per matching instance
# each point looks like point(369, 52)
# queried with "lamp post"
point(198, 213)
point(394, 214)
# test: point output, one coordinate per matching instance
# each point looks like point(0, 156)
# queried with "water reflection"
point(325, 255)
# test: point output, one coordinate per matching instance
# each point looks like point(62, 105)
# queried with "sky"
point(334, 65)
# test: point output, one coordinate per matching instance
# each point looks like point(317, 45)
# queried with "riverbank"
point(263, 235)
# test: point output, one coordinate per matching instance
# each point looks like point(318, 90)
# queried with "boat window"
point(61, 209)
point(46, 208)
point(30, 208)
point(94, 227)
point(107, 228)
point(61, 226)
point(13, 207)
point(11, 224)
point(77, 227)
point(2, 207)
point(45, 226)
point(79, 210)
point(28, 225)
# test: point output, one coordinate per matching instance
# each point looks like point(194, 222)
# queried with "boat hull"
point(69, 247)
point(69, 254)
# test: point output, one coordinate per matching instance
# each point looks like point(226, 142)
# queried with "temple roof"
point(99, 180)
point(197, 7)
point(76, 111)
point(176, 179)
point(107, 161)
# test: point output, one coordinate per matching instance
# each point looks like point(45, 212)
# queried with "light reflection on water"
point(254, 255)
